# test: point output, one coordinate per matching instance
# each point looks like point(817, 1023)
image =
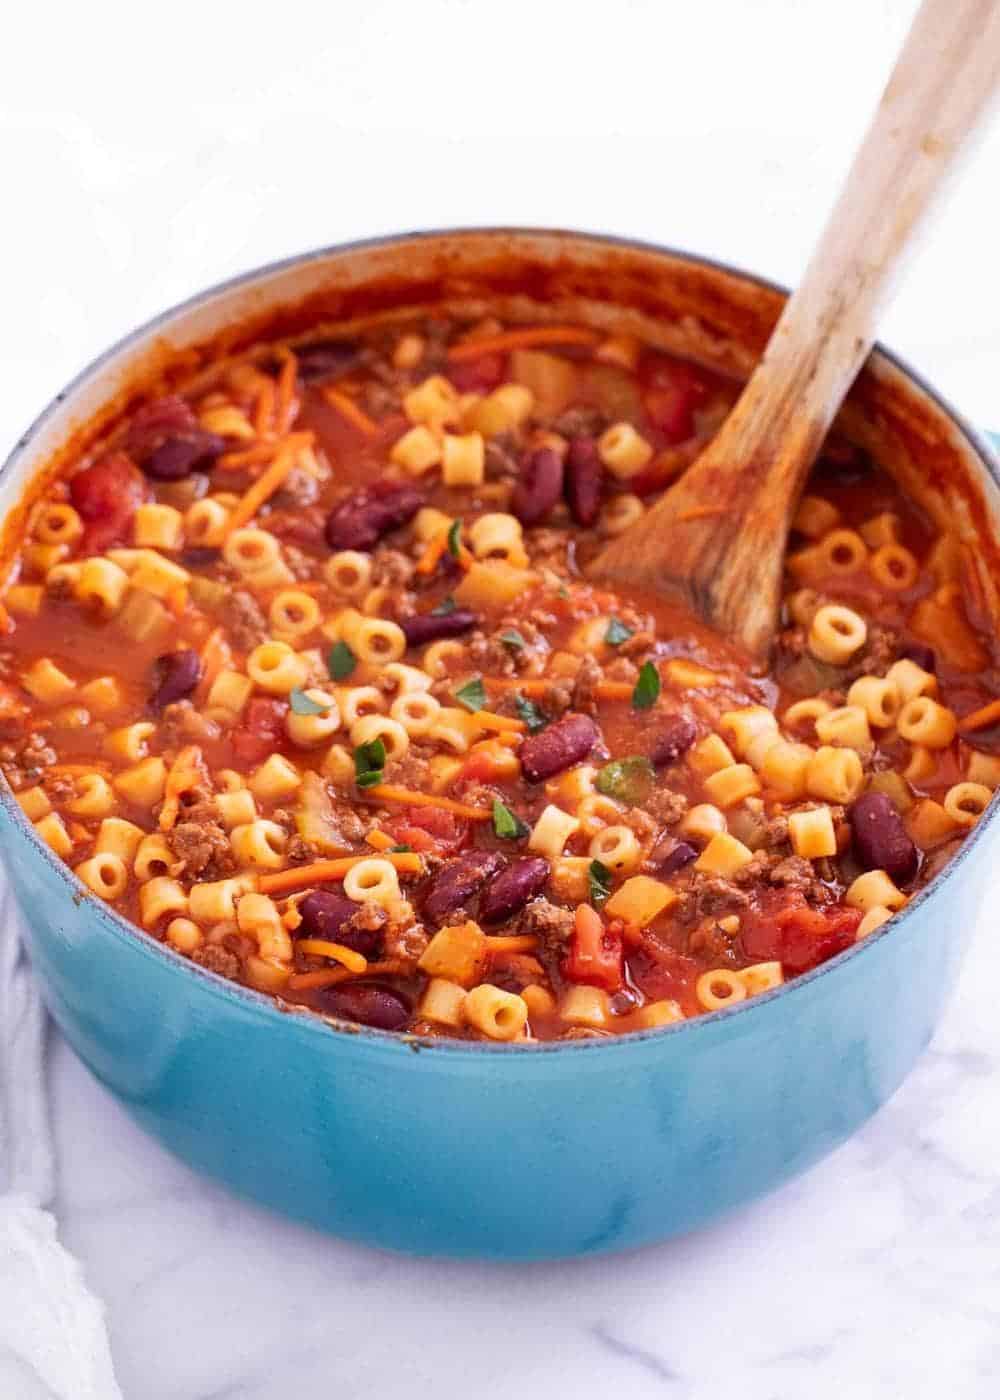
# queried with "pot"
point(504, 1151)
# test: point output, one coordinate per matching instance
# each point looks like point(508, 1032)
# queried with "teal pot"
point(522, 1151)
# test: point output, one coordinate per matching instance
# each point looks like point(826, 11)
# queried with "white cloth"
point(53, 1339)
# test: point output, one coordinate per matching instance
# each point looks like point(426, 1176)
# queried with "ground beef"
point(775, 833)
point(515, 971)
point(369, 918)
point(246, 624)
point(713, 944)
point(638, 644)
point(59, 789)
point(302, 525)
point(411, 771)
point(622, 669)
point(403, 939)
point(550, 923)
point(793, 641)
point(641, 823)
point(219, 960)
point(25, 764)
point(585, 1033)
point(666, 806)
point(494, 657)
point(549, 548)
point(708, 896)
point(380, 400)
point(182, 724)
point(880, 651)
point(299, 851)
point(299, 488)
point(502, 458)
point(557, 698)
point(302, 565)
point(204, 848)
point(786, 872)
point(583, 697)
point(580, 422)
point(794, 873)
point(392, 568)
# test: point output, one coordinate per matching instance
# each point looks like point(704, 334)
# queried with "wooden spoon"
point(715, 542)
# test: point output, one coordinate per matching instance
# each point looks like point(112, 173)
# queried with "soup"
point(303, 675)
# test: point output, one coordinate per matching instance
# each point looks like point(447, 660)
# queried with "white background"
point(146, 151)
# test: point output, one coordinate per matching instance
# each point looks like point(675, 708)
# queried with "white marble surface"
point(155, 151)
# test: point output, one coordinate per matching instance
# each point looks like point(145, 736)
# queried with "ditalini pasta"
point(302, 675)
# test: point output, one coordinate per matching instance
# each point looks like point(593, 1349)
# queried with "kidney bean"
point(369, 1004)
point(152, 424)
point(174, 675)
point(842, 464)
point(199, 558)
point(361, 519)
point(559, 746)
point(178, 457)
point(428, 627)
point(674, 737)
point(512, 889)
point(452, 885)
point(106, 496)
point(682, 854)
point(539, 486)
point(326, 359)
point(880, 839)
point(920, 655)
point(584, 479)
point(324, 915)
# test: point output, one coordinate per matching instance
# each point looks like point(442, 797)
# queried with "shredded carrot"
point(505, 739)
point(324, 948)
point(186, 774)
point(5, 622)
point(521, 340)
point(263, 413)
point(216, 655)
point(388, 792)
point(613, 690)
point(287, 406)
point(268, 482)
point(247, 456)
point(177, 600)
point(381, 840)
point(604, 690)
point(501, 722)
point(76, 770)
point(329, 977)
point(701, 513)
point(350, 412)
point(981, 718)
point(320, 872)
point(511, 943)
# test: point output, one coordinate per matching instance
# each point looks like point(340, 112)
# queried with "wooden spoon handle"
point(716, 540)
point(945, 75)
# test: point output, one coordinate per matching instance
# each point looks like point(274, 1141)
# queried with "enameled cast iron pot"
point(511, 1152)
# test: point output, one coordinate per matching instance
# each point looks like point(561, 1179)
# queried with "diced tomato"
point(430, 828)
point(595, 953)
point(482, 767)
point(106, 495)
point(671, 393)
point(478, 376)
point(782, 926)
point(261, 731)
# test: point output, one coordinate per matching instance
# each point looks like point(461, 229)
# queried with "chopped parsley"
point(513, 639)
point(454, 539)
point(447, 605)
point(369, 762)
point(532, 716)
point(647, 687)
point(472, 695)
point(398, 850)
point(599, 882)
point(628, 779)
point(617, 632)
point(340, 661)
point(303, 704)
point(506, 824)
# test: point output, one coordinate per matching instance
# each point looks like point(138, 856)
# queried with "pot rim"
point(265, 1004)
